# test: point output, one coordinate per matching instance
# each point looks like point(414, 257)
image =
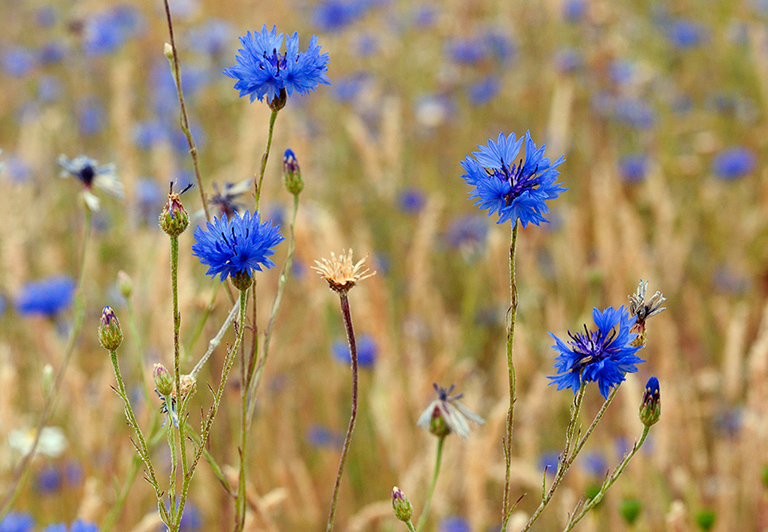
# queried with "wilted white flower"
point(52, 442)
point(446, 414)
point(89, 173)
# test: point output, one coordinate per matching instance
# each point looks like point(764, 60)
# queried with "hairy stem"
point(347, 317)
point(511, 319)
point(431, 492)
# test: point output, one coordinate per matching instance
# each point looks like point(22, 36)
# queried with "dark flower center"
point(519, 181)
point(277, 60)
point(591, 346)
point(86, 175)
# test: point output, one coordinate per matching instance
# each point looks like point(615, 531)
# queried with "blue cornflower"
point(17, 522)
point(734, 163)
point(515, 191)
point(366, 351)
point(603, 356)
point(263, 71)
point(236, 245)
point(47, 297)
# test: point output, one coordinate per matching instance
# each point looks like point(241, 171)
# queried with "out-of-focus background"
point(660, 110)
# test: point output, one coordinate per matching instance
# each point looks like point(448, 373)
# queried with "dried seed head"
point(341, 272)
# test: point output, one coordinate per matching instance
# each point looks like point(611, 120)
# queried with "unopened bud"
point(47, 380)
point(168, 51)
point(437, 424)
point(110, 335)
point(124, 284)
point(163, 380)
point(650, 409)
point(174, 218)
point(630, 510)
point(402, 506)
point(292, 173)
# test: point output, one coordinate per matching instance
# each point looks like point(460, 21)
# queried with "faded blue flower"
point(227, 199)
point(91, 117)
point(549, 461)
point(366, 351)
point(47, 297)
point(484, 91)
point(453, 524)
point(58, 527)
point(234, 245)
point(633, 167)
point(17, 522)
point(17, 62)
point(211, 38)
point(734, 163)
point(106, 31)
point(261, 70)
point(467, 233)
point(411, 200)
point(514, 191)
point(320, 436)
point(603, 356)
point(335, 15)
point(90, 173)
point(684, 34)
point(48, 479)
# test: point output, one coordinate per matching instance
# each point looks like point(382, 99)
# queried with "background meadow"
point(660, 109)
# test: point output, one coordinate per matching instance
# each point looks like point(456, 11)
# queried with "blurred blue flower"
point(17, 169)
point(190, 518)
point(239, 244)
point(82, 526)
point(500, 45)
point(320, 436)
point(684, 34)
point(91, 117)
point(734, 163)
point(47, 16)
point(453, 524)
point(549, 461)
point(595, 464)
point(3, 304)
point(424, 15)
point(226, 200)
point(514, 191)
point(262, 71)
point(467, 231)
point(90, 174)
point(165, 100)
point(367, 44)
point(212, 38)
point(466, 51)
point(149, 133)
point(105, 32)
point(184, 9)
point(47, 297)
point(634, 112)
point(149, 198)
point(603, 356)
point(622, 71)
point(574, 10)
point(48, 88)
point(58, 527)
point(633, 167)
point(18, 61)
point(484, 91)
point(346, 89)
point(183, 178)
point(569, 60)
point(17, 522)
point(411, 200)
point(52, 52)
point(335, 15)
point(48, 480)
point(366, 351)
point(179, 140)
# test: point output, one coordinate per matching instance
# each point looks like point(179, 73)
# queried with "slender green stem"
point(208, 421)
point(263, 167)
point(607, 483)
point(511, 319)
point(566, 459)
point(20, 475)
point(428, 502)
point(347, 317)
point(141, 447)
point(409, 526)
point(240, 498)
point(259, 371)
point(177, 347)
point(183, 118)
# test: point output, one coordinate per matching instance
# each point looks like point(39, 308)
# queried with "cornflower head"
point(226, 199)
point(47, 297)
point(603, 356)
point(90, 173)
point(341, 272)
point(514, 191)
point(236, 246)
point(446, 414)
point(644, 309)
point(262, 70)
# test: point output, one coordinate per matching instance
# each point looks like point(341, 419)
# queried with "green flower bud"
point(630, 510)
point(650, 409)
point(110, 335)
point(163, 380)
point(292, 173)
point(705, 519)
point(174, 218)
point(402, 506)
point(124, 284)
